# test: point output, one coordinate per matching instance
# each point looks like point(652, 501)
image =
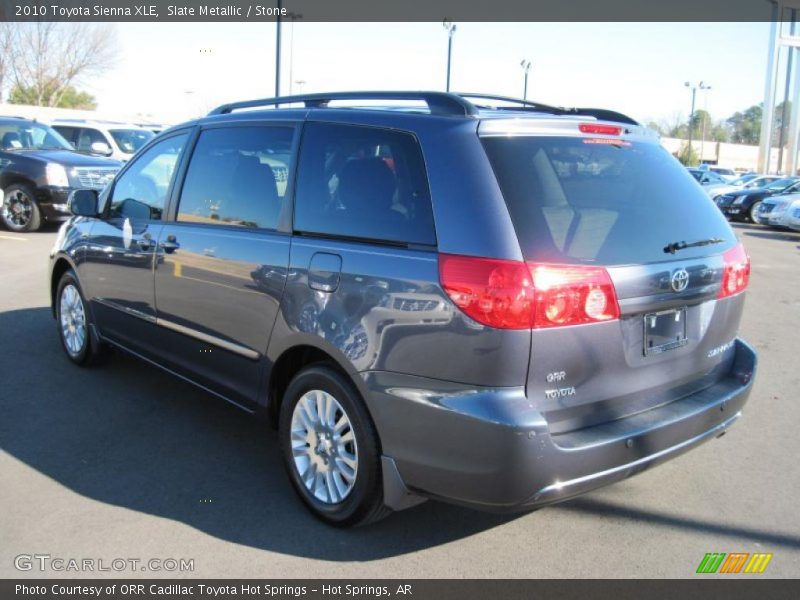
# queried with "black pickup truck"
point(38, 170)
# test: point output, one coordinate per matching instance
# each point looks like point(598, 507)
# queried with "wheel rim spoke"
point(324, 447)
point(18, 209)
point(73, 320)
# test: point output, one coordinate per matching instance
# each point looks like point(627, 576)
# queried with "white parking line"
point(14, 239)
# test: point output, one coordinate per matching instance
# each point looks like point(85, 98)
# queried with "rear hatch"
point(639, 273)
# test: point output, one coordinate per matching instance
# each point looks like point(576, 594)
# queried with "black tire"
point(91, 351)
point(364, 502)
point(754, 211)
point(20, 210)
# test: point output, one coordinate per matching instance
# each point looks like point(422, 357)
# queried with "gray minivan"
point(477, 299)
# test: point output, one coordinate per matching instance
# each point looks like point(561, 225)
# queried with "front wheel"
point(20, 212)
point(331, 449)
point(754, 212)
point(73, 323)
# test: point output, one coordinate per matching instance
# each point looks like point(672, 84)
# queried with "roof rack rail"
point(525, 103)
point(439, 103)
point(597, 113)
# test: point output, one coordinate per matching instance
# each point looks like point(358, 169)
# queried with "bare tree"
point(46, 59)
point(6, 44)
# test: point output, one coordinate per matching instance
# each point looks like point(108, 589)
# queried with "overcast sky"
point(177, 71)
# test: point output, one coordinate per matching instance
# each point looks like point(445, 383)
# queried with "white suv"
point(104, 138)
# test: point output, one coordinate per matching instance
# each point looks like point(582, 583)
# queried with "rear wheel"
point(20, 211)
point(754, 212)
point(73, 323)
point(331, 449)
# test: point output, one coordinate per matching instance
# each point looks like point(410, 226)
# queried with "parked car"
point(38, 170)
point(792, 216)
point(727, 174)
point(119, 141)
point(707, 178)
point(743, 183)
point(545, 303)
point(775, 209)
point(743, 205)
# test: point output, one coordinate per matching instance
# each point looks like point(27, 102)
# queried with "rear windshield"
point(580, 200)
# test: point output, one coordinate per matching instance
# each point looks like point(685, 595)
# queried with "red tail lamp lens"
point(572, 295)
point(497, 293)
point(736, 271)
point(515, 295)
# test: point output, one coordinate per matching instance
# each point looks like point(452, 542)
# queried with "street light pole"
point(451, 29)
point(694, 89)
point(526, 67)
point(278, 51)
point(705, 117)
point(293, 16)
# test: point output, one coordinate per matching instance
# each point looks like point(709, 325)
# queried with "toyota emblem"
point(680, 280)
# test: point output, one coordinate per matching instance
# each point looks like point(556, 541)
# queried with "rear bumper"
point(491, 449)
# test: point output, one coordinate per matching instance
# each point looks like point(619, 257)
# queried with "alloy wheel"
point(324, 447)
point(73, 319)
point(18, 209)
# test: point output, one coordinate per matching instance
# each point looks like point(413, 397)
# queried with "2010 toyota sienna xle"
point(477, 299)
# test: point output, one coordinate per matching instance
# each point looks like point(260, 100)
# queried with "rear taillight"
point(515, 295)
point(497, 293)
point(572, 295)
point(736, 271)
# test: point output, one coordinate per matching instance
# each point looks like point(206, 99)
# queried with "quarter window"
point(237, 176)
point(141, 191)
point(363, 182)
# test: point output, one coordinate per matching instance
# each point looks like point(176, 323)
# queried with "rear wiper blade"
point(675, 246)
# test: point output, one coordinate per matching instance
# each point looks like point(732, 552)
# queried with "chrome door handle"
point(145, 242)
point(170, 244)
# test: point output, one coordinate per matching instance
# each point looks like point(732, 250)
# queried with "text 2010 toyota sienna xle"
point(491, 302)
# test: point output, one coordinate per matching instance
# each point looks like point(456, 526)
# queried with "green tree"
point(68, 97)
point(688, 155)
point(745, 126)
point(719, 132)
point(655, 127)
point(701, 124)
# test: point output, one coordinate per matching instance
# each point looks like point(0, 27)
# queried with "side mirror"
point(83, 203)
point(101, 149)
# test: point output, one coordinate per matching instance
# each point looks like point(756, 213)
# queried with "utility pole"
point(278, 51)
point(705, 118)
point(451, 29)
point(526, 67)
point(293, 16)
point(786, 93)
point(694, 88)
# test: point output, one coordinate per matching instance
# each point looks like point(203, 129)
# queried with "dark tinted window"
point(237, 176)
point(585, 200)
point(88, 137)
point(363, 182)
point(141, 191)
point(70, 133)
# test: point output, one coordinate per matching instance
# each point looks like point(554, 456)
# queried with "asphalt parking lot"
point(124, 461)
